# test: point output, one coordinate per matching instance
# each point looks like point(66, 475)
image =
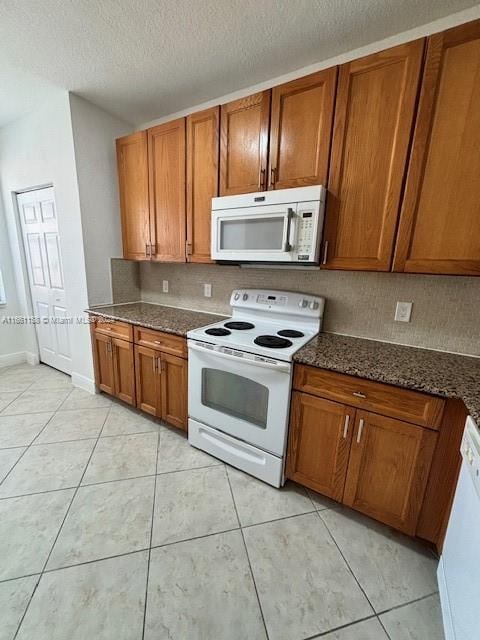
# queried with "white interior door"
point(38, 216)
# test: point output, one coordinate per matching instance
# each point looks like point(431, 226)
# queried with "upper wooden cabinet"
point(440, 223)
point(244, 144)
point(300, 130)
point(166, 166)
point(202, 180)
point(132, 168)
point(373, 119)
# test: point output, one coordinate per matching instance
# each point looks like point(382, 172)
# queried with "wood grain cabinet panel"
point(202, 180)
point(319, 444)
point(148, 388)
point(440, 223)
point(123, 370)
point(244, 144)
point(103, 361)
point(174, 390)
point(388, 469)
point(166, 165)
point(132, 166)
point(374, 112)
point(301, 129)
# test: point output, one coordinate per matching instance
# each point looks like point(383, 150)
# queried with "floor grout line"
point(59, 530)
point(248, 557)
point(340, 628)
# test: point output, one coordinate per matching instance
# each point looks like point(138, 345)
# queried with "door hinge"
point(188, 248)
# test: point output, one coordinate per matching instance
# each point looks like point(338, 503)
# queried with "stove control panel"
point(271, 299)
point(282, 303)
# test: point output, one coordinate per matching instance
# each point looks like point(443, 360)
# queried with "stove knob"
point(245, 296)
point(313, 305)
point(304, 304)
point(236, 296)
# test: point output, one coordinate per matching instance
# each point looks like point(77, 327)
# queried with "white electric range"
point(239, 378)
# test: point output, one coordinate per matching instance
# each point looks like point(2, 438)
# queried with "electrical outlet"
point(207, 290)
point(165, 286)
point(403, 311)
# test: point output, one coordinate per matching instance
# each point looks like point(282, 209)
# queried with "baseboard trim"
point(9, 359)
point(87, 384)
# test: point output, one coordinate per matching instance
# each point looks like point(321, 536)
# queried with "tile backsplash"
point(445, 311)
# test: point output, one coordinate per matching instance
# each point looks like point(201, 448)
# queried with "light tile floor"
point(112, 527)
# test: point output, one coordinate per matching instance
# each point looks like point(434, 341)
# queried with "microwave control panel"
point(305, 234)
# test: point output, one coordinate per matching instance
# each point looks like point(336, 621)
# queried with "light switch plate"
point(165, 286)
point(403, 312)
point(207, 290)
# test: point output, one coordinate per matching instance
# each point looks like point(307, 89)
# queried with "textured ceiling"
point(141, 59)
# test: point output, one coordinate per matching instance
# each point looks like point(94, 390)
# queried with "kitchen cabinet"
point(202, 180)
point(439, 228)
point(132, 166)
point(244, 144)
point(388, 469)
point(113, 364)
point(300, 130)
point(174, 390)
point(319, 443)
point(370, 446)
point(147, 381)
point(374, 113)
point(166, 170)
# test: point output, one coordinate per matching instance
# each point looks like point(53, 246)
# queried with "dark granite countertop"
point(436, 372)
point(157, 316)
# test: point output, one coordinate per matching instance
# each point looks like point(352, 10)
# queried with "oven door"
point(240, 396)
point(262, 234)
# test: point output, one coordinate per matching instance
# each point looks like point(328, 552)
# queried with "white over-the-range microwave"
point(283, 226)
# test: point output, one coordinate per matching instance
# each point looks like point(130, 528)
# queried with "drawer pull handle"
point(157, 342)
point(360, 429)
point(345, 426)
point(359, 394)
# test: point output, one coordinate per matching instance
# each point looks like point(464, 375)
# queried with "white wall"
point(94, 134)
point(39, 150)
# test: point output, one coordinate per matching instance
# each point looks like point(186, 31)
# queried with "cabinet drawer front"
point(388, 400)
point(114, 328)
point(165, 342)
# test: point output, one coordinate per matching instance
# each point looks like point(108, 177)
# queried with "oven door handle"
point(283, 367)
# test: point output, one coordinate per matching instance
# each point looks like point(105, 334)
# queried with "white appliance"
point(239, 378)
point(269, 226)
point(459, 567)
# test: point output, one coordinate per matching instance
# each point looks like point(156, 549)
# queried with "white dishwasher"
point(459, 567)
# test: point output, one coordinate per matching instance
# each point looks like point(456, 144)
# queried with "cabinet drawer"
point(411, 406)
point(114, 328)
point(162, 341)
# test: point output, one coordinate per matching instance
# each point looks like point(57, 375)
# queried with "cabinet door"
point(123, 370)
point(244, 144)
point(147, 376)
point(440, 223)
point(132, 161)
point(319, 443)
point(174, 390)
point(103, 362)
point(166, 165)
point(300, 131)
point(202, 180)
point(388, 469)
point(373, 119)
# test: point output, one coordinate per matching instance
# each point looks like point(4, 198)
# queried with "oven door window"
point(252, 234)
point(235, 396)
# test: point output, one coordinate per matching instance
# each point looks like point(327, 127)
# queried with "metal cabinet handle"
point(345, 426)
point(148, 249)
point(261, 179)
point(159, 364)
point(109, 346)
point(154, 363)
point(157, 342)
point(273, 176)
point(325, 252)
point(359, 394)
point(360, 429)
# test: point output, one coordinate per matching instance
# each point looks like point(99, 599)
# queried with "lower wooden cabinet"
point(319, 443)
point(162, 385)
point(153, 380)
point(114, 372)
point(373, 463)
point(388, 469)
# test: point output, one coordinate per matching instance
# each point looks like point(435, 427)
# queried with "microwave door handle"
point(283, 367)
point(287, 246)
